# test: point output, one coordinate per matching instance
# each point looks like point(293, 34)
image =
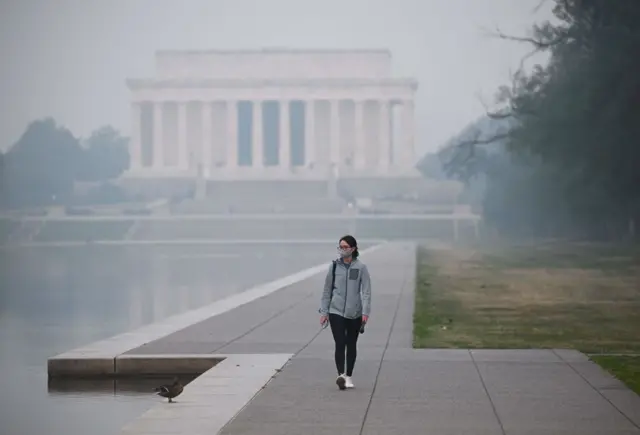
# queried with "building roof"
point(138, 83)
point(279, 50)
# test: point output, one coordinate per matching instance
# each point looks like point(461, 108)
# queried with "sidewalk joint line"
point(596, 389)
point(386, 346)
point(264, 322)
point(486, 391)
point(264, 387)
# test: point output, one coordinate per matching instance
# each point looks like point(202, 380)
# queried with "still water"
point(55, 299)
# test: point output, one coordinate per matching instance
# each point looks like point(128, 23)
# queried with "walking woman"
point(345, 304)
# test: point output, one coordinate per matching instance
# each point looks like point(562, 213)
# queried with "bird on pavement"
point(170, 391)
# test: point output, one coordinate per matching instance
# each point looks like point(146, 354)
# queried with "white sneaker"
point(341, 381)
point(348, 382)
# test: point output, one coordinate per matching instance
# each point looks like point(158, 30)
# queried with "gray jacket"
point(351, 296)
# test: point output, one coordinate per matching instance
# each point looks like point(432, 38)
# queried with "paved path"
point(400, 390)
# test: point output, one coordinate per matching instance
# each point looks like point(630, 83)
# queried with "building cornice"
point(135, 84)
point(276, 50)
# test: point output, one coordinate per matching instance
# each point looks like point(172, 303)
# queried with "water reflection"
point(55, 299)
point(142, 386)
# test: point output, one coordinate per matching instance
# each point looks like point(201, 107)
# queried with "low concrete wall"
point(165, 364)
point(284, 227)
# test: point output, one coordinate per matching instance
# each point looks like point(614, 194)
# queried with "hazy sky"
point(69, 58)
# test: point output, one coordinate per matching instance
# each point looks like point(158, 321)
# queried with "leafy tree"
point(430, 166)
point(106, 155)
point(41, 167)
point(568, 160)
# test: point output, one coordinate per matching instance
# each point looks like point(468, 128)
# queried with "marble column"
point(257, 159)
point(359, 158)
point(158, 137)
point(135, 141)
point(384, 141)
point(231, 160)
point(284, 147)
point(183, 152)
point(334, 141)
point(309, 133)
point(408, 127)
point(207, 137)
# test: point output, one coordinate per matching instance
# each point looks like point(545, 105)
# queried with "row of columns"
point(405, 154)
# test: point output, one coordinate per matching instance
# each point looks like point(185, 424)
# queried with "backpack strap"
point(333, 277)
point(333, 282)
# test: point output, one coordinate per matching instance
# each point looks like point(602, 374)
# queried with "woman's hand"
point(323, 320)
point(365, 319)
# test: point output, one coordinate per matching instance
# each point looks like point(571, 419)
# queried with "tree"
point(572, 144)
point(106, 155)
point(41, 167)
point(430, 166)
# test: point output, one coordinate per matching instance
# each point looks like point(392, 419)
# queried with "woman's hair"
point(351, 241)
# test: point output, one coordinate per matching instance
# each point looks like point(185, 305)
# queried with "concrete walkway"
point(400, 390)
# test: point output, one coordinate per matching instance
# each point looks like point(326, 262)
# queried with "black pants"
point(345, 334)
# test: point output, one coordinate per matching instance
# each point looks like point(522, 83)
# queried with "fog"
point(525, 128)
point(69, 59)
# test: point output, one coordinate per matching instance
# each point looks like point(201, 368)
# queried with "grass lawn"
point(576, 296)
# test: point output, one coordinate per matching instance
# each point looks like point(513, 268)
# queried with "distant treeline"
point(42, 167)
point(561, 158)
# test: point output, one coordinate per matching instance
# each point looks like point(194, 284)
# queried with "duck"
point(170, 391)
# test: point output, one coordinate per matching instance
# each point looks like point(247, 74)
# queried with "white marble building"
point(272, 114)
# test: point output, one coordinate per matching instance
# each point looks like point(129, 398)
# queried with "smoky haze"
point(100, 234)
point(69, 59)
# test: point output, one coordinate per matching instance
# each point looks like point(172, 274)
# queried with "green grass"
point(625, 368)
point(583, 297)
point(607, 258)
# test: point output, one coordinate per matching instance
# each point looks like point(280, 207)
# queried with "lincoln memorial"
point(272, 114)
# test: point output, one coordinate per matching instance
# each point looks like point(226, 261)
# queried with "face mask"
point(345, 253)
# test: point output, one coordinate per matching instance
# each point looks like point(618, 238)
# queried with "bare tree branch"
point(527, 57)
point(497, 115)
point(484, 141)
point(461, 159)
point(538, 6)
point(539, 44)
